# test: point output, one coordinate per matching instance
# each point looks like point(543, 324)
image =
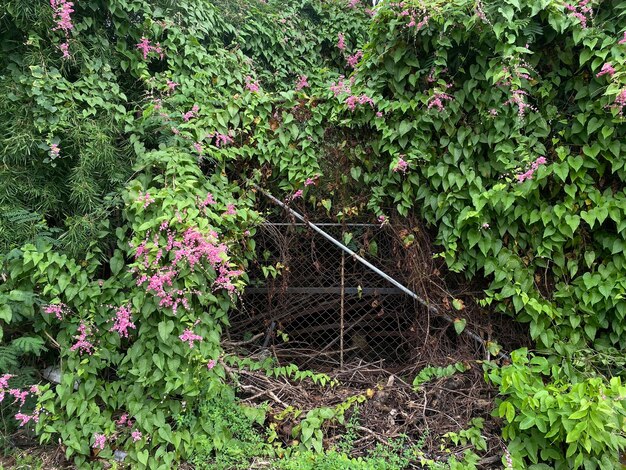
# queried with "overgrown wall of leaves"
point(129, 135)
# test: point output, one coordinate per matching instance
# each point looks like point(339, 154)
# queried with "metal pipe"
point(382, 274)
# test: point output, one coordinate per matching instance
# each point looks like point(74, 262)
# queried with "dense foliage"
point(131, 130)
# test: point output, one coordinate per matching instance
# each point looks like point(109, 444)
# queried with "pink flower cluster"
point(82, 344)
point(581, 11)
point(353, 100)
point(55, 309)
point(620, 101)
point(146, 48)
point(225, 277)
point(136, 435)
point(19, 397)
point(401, 166)
point(190, 337)
point(341, 42)
point(354, 59)
point(302, 83)
point(194, 248)
point(437, 101)
point(230, 210)
point(353, 3)
point(607, 68)
point(122, 321)
point(528, 175)
point(99, 441)
point(198, 147)
point(311, 181)
point(252, 85)
point(171, 86)
point(62, 13)
point(191, 114)
point(208, 201)
point(418, 25)
point(55, 151)
point(517, 99)
point(342, 86)
point(124, 420)
point(297, 195)
point(210, 364)
point(146, 199)
point(222, 139)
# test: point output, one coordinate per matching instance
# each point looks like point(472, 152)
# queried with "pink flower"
point(379, 114)
point(311, 181)
point(302, 83)
point(136, 435)
point(19, 395)
point(620, 101)
point(296, 195)
point(64, 47)
point(485, 225)
point(191, 114)
point(353, 3)
point(437, 100)
point(145, 47)
point(55, 151)
point(210, 364)
point(190, 337)
point(198, 147)
point(252, 85)
point(606, 69)
point(341, 42)
point(517, 98)
point(230, 210)
point(24, 418)
point(207, 201)
point(352, 101)
point(382, 219)
point(354, 59)
point(122, 420)
point(623, 40)
point(581, 11)
point(54, 309)
point(4, 381)
point(123, 321)
point(146, 199)
point(401, 166)
point(99, 441)
point(340, 87)
point(528, 174)
point(82, 344)
point(62, 15)
point(223, 139)
point(171, 85)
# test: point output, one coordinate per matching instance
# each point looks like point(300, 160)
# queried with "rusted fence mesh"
point(320, 308)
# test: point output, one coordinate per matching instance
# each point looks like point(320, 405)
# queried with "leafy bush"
point(565, 424)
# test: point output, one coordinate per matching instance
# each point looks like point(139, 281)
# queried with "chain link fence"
point(318, 307)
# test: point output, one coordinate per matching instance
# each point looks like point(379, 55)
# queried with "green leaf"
point(165, 329)
point(459, 325)
point(117, 263)
point(5, 313)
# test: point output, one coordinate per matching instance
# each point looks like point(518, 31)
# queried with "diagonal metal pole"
point(382, 274)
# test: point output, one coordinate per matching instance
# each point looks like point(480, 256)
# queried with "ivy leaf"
point(458, 304)
point(117, 263)
point(165, 329)
point(459, 325)
point(5, 313)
